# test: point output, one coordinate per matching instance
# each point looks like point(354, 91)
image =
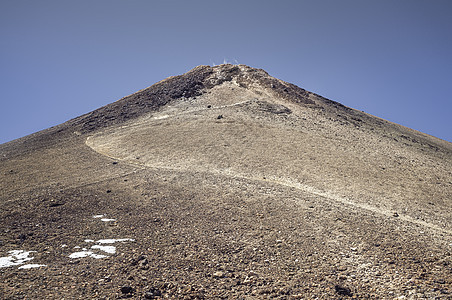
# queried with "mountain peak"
point(202, 173)
point(191, 84)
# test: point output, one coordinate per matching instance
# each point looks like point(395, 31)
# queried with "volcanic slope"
point(226, 182)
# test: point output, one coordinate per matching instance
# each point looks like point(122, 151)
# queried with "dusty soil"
point(227, 183)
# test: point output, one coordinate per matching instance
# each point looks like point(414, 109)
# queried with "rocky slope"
point(225, 182)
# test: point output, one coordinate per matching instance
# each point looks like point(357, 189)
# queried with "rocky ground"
point(236, 189)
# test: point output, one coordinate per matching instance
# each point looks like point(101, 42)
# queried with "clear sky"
point(60, 59)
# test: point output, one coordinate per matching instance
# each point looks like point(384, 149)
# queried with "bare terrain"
point(226, 182)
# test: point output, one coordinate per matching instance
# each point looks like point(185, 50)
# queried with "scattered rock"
point(247, 280)
point(152, 293)
point(395, 214)
point(220, 117)
point(144, 264)
point(253, 274)
point(22, 237)
point(342, 268)
point(54, 203)
point(218, 274)
point(126, 290)
point(344, 291)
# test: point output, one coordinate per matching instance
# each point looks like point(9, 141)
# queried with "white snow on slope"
point(108, 249)
point(30, 266)
point(86, 254)
point(107, 220)
point(15, 257)
point(99, 246)
point(112, 241)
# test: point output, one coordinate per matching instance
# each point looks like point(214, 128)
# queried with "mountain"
point(225, 182)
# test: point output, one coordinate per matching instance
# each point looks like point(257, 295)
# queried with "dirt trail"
point(293, 184)
point(288, 182)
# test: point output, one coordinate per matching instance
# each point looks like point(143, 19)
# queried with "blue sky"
point(60, 59)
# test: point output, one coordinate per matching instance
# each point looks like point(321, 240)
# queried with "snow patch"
point(82, 254)
point(99, 244)
point(15, 257)
point(108, 249)
point(112, 241)
point(30, 266)
point(107, 220)
point(101, 217)
point(90, 253)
